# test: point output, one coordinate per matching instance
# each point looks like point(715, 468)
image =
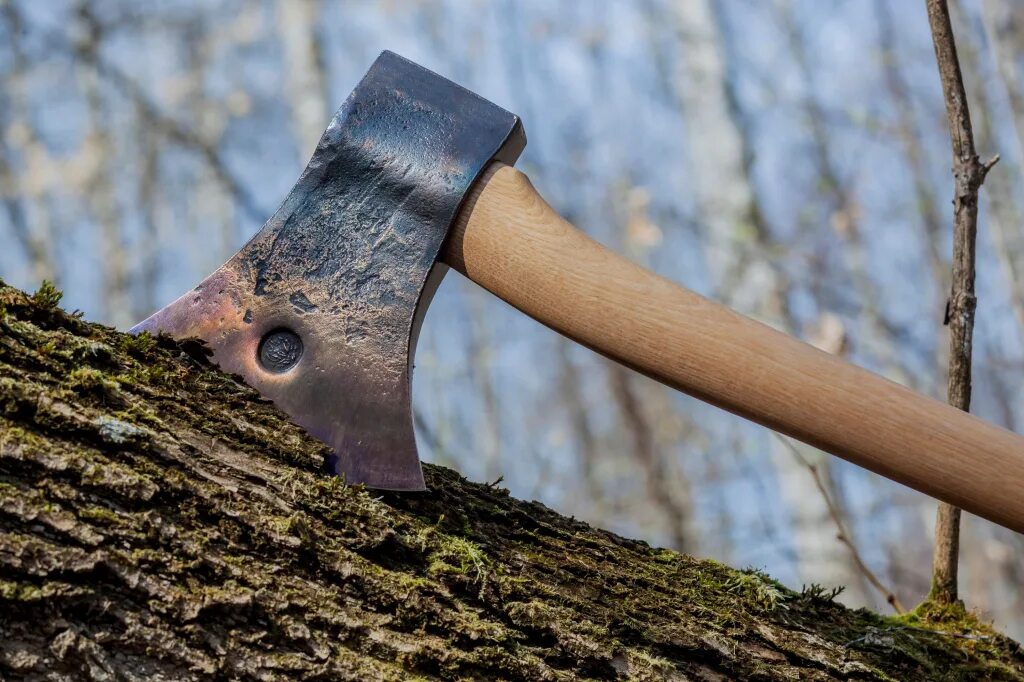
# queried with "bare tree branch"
point(968, 174)
point(671, 500)
point(842, 534)
point(169, 127)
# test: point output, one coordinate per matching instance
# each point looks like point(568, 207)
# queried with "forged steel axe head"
point(320, 310)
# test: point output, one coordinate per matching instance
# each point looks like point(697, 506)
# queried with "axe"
point(321, 309)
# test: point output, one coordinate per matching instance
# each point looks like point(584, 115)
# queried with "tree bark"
point(969, 173)
point(159, 521)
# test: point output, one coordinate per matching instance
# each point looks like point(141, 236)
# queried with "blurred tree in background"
point(789, 158)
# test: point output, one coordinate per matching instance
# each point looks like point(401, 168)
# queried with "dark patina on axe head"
point(320, 310)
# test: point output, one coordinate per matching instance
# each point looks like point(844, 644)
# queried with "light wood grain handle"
point(509, 240)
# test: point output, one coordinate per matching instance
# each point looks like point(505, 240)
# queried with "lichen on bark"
point(159, 521)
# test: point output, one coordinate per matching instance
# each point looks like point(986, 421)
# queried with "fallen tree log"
point(158, 521)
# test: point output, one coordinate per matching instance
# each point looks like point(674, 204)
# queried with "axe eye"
point(280, 350)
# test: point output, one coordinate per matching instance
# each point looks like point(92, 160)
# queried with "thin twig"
point(54, 42)
point(969, 174)
point(841, 533)
point(672, 499)
point(900, 628)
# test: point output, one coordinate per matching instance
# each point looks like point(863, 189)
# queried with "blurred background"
point(789, 158)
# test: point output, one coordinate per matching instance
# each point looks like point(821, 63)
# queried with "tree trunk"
point(159, 521)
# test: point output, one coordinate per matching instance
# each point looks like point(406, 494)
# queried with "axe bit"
point(320, 310)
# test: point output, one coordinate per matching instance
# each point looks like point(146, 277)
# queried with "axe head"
point(321, 309)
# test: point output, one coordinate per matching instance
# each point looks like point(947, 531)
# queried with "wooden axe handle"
point(508, 240)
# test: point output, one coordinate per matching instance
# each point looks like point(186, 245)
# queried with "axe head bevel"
point(321, 309)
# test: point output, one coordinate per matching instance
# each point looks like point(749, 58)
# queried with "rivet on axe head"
point(320, 311)
point(280, 350)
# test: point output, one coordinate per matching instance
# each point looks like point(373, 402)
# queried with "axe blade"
point(321, 309)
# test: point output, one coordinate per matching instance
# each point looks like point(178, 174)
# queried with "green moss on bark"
point(159, 521)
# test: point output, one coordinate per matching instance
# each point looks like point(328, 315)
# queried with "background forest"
point(789, 158)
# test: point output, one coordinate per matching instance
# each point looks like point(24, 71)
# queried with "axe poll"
point(320, 310)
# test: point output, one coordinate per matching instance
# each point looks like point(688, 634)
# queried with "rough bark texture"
point(159, 521)
point(969, 173)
